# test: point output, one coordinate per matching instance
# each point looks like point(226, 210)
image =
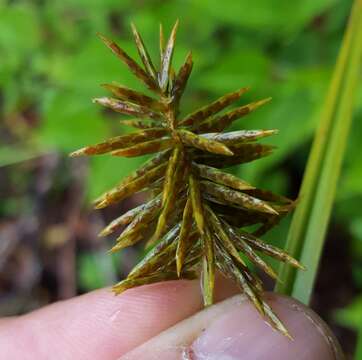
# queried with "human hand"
point(148, 323)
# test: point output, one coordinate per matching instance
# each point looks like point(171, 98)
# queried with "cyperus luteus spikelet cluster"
point(195, 212)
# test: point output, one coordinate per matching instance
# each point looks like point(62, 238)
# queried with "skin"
point(164, 321)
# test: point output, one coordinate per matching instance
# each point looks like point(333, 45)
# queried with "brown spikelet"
point(196, 213)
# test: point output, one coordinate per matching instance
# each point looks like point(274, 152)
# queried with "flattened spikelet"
point(120, 142)
point(181, 79)
point(208, 273)
point(167, 53)
point(227, 195)
point(143, 53)
point(239, 137)
point(144, 148)
point(220, 177)
point(196, 213)
point(135, 97)
point(132, 65)
point(185, 232)
point(220, 123)
point(213, 108)
point(199, 142)
point(126, 189)
point(140, 123)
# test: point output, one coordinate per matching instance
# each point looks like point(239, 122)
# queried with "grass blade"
point(307, 232)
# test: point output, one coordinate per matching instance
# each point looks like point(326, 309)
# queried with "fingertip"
point(242, 333)
point(102, 324)
point(234, 330)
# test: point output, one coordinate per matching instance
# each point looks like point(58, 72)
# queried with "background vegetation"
point(51, 66)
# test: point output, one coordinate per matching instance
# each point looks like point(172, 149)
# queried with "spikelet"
point(196, 212)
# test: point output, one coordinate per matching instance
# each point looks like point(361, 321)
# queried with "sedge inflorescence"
point(196, 214)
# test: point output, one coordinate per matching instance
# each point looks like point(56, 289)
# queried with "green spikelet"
point(195, 212)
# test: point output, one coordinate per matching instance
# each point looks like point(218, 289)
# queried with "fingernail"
point(242, 334)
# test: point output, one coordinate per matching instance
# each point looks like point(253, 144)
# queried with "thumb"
point(233, 330)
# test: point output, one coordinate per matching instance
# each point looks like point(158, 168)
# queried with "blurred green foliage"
point(52, 64)
point(351, 316)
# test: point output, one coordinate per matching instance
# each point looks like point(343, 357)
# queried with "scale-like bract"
point(196, 212)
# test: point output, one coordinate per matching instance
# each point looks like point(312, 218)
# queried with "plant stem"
point(358, 354)
point(307, 232)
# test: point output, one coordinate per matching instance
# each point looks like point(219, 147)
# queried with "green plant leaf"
point(310, 221)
